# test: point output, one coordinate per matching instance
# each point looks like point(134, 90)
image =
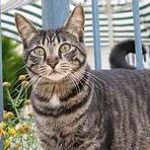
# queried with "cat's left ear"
point(75, 23)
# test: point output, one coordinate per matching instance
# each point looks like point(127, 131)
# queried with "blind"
point(122, 21)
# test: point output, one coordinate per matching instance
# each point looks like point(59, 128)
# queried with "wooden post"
point(54, 13)
point(96, 34)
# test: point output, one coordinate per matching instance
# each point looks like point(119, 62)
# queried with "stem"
point(21, 89)
point(26, 91)
point(13, 105)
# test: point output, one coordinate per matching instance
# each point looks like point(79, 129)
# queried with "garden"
point(17, 127)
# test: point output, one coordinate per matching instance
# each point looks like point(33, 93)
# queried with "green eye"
point(39, 51)
point(64, 48)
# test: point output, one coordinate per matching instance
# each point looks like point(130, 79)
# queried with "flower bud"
point(22, 77)
point(6, 84)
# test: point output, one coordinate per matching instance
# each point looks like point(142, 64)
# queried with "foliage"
point(18, 131)
point(12, 64)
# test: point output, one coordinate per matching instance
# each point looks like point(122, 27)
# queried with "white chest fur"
point(54, 101)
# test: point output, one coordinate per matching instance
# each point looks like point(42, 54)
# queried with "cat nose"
point(53, 61)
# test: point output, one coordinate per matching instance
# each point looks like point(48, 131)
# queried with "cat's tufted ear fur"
point(25, 28)
point(75, 23)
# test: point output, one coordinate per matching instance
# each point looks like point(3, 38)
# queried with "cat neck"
point(54, 100)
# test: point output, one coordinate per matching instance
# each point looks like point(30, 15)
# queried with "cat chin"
point(56, 77)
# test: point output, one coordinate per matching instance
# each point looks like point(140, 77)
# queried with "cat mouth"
point(54, 72)
point(55, 76)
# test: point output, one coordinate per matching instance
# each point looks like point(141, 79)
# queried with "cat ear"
point(25, 28)
point(75, 23)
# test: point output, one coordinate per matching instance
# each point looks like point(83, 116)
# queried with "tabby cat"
point(119, 52)
point(77, 108)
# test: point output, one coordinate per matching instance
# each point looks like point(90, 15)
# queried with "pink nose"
point(52, 62)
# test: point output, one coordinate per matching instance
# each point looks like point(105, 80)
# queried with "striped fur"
point(77, 108)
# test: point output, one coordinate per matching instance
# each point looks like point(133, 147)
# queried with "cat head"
point(54, 54)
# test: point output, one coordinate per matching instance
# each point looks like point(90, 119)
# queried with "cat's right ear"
point(75, 23)
point(25, 28)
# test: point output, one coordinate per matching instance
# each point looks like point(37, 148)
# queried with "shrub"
point(12, 64)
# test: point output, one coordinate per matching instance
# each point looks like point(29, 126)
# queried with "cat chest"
point(54, 101)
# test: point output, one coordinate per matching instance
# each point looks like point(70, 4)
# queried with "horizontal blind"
point(122, 22)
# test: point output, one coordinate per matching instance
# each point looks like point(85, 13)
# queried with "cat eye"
point(39, 51)
point(65, 48)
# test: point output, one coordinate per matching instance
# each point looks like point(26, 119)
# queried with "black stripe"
point(74, 91)
point(44, 37)
point(44, 140)
point(80, 51)
point(51, 34)
point(79, 118)
point(57, 36)
point(42, 98)
point(77, 59)
point(35, 60)
point(30, 69)
point(53, 38)
point(81, 63)
point(47, 138)
point(70, 55)
point(46, 111)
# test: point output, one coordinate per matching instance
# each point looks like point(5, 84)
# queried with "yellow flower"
point(22, 128)
point(28, 102)
point(2, 132)
point(17, 147)
point(25, 83)
point(6, 84)
point(22, 77)
point(12, 131)
point(6, 144)
point(8, 115)
point(3, 125)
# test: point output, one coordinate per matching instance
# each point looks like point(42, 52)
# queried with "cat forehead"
point(51, 36)
point(58, 35)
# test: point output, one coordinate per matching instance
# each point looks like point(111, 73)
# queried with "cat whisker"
point(14, 90)
point(95, 77)
point(16, 82)
point(88, 83)
point(76, 85)
point(23, 67)
point(31, 82)
point(78, 80)
point(85, 80)
point(34, 86)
